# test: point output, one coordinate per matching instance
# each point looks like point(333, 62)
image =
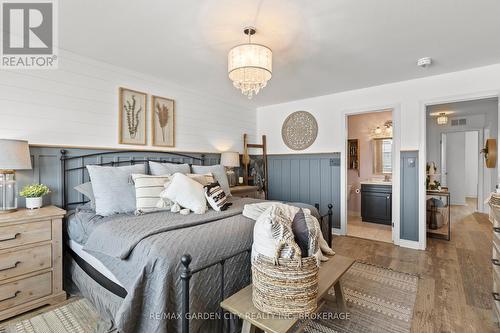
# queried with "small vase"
point(34, 203)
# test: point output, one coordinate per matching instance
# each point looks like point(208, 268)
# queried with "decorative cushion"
point(147, 193)
point(219, 173)
point(113, 190)
point(86, 190)
point(186, 192)
point(301, 232)
point(216, 197)
point(202, 179)
point(158, 169)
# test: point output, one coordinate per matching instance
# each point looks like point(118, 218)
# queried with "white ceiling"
point(320, 46)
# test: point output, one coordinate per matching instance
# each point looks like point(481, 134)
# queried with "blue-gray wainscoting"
point(47, 168)
point(409, 196)
point(308, 178)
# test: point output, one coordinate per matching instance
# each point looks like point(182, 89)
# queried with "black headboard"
point(74, 167)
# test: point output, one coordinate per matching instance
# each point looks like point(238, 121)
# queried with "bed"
point(158, 272)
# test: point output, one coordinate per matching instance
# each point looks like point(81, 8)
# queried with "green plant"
point(34, 191)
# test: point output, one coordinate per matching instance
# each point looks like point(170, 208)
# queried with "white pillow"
point(202, 179)
point(187, 192)
point(219, 173)
point(147, 193)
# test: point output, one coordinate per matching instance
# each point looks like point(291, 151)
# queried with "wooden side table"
point(245, 191)
point(241, 303)
point(30, 260)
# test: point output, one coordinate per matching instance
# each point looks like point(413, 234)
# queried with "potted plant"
point(33, 194)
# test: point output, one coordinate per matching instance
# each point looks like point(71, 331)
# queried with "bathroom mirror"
point(382, 156)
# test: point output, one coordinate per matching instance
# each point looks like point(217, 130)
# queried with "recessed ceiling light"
point(424, 62)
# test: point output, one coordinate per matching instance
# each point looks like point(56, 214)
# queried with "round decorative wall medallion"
point(299, 130)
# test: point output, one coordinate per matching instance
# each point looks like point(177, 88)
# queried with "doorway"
point(457, 179)
point(370, 162)
point(461, 167)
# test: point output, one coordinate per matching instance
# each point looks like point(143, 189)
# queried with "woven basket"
point(285, 289)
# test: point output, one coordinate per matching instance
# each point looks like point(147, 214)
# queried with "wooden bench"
point(241, 303)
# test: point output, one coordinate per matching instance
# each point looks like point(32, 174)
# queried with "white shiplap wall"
point(77, 105)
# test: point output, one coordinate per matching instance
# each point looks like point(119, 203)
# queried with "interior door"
point(455, 167)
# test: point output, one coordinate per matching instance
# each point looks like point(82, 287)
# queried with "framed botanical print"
point(163, 121)
point(132, 113)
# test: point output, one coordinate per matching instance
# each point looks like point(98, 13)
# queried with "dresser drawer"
point(25, 233)
point(20, 262)
point(25, 290)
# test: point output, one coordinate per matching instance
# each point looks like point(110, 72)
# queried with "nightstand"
point(245, 191)
point(30, 260)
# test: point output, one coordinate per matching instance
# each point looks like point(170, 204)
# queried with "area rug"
point(378, 299)
point(75, 317)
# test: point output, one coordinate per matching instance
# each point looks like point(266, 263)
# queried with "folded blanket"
point(274, 234)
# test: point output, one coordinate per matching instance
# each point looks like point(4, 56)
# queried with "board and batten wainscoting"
point(409, 197)
point(46, 163)
point(308, 178)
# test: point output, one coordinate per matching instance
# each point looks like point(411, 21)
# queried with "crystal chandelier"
point(250, 66)
point(442, 119)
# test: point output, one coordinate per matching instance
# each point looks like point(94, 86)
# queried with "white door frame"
point(422, 156)
point(396, 151)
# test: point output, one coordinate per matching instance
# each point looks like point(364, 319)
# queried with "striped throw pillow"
point(147, 193)
point(216, 197)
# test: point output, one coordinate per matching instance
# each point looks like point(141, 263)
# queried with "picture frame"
point(132, 121)
point(162, 121)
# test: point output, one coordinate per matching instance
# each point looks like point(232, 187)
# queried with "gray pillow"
point(114, 191)
point(160, 169)
point(219, 174)
point(86, 190)
point(301, 232)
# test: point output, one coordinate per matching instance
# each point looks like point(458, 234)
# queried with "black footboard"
point(326, 229)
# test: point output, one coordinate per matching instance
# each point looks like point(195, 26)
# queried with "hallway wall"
point(471, 163)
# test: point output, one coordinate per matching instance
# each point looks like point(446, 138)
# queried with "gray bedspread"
point(144, 253)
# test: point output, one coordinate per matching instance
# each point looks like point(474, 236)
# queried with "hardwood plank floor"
point(454, 290)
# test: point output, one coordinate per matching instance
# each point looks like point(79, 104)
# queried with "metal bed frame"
point(186, 272)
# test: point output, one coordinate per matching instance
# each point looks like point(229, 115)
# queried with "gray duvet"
point(144, 253)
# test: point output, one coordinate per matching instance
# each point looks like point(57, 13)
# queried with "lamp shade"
point(14, 155)
point(230, 159)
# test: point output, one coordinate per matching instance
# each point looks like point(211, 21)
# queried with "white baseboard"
point(410, 244)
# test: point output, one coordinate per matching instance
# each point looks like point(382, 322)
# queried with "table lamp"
point(230, 159)
point(14, 155)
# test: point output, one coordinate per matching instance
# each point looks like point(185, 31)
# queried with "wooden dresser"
point(245, 191)
point(30, 260)
point(495, 260)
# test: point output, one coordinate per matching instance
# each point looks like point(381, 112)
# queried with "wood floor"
point(454, 290)
point(374, 231)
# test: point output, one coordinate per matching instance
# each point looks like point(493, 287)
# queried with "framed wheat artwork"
point(163, 121)
point(132, 117)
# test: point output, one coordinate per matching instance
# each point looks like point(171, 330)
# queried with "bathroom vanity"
point(376, 202)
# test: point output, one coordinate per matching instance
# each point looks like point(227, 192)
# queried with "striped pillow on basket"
point(147, 193)
point(216, 197)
